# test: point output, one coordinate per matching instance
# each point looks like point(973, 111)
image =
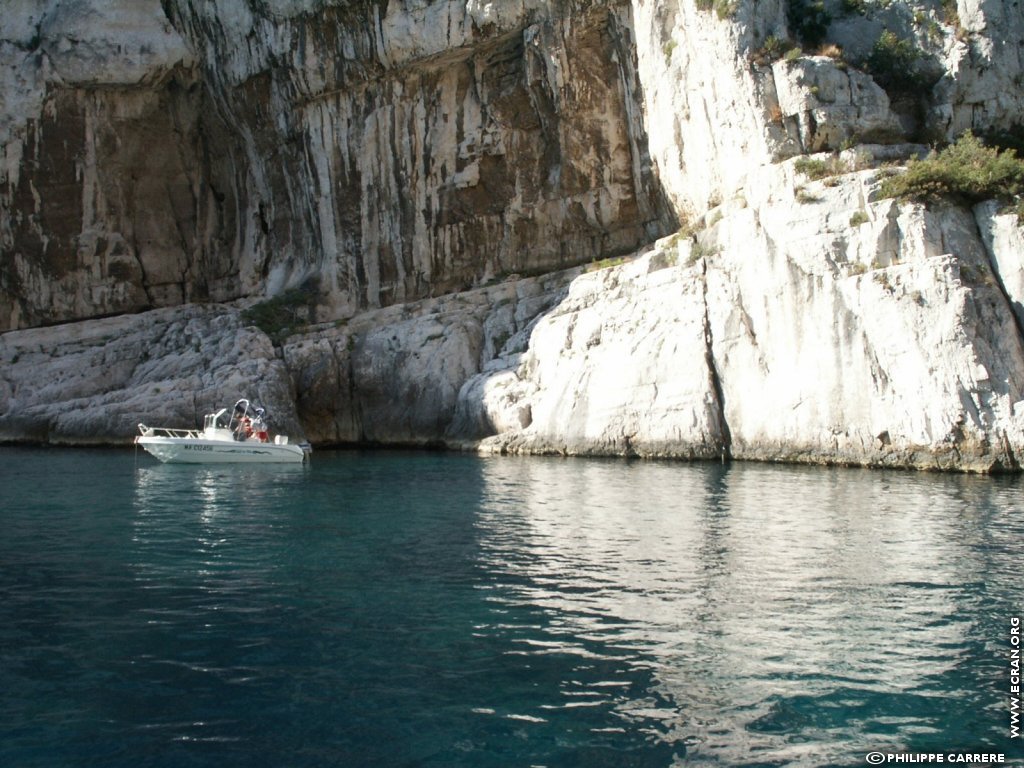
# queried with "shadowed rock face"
point(107, 213)
point(394, 151)
point(98, 211)
point(388, 152)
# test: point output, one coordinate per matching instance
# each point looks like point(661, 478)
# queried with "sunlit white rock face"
point(719, 106)
point(621, 366)
point(838, 329)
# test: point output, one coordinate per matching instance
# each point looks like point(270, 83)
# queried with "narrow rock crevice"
point(993, 265)
point(1012, 464)
point(709, 358)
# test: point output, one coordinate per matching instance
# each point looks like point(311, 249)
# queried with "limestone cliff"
point(92, 383)
point(409, 162)
point(888, 342)
point(162, 153)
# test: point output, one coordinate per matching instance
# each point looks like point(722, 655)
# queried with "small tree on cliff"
point(966, 171)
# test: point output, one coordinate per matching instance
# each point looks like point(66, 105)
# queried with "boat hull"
point(179, 450)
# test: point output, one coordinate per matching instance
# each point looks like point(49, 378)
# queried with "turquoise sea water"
point(394, 609)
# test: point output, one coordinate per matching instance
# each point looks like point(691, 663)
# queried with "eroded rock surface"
point(159, 153)
point(91, 383)
point(394, 375)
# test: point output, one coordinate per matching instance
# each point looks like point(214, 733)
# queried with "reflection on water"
point(428, 610)
point(215, 491)
point(784, 614)
point(208, 516)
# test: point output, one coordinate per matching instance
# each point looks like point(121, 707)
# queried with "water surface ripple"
point(396, 609)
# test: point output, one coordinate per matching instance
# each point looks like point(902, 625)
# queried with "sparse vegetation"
point(950, 14)
point(691, 260)
point(815, 168)
point(811, 167)
point(966, 171)
point(805, 198)
point(282, 315)
point(613, 261)
point(851, 7)
point(897, 64)
point(670, 259)
point(776, 48)
point(725, 9)
point(772, 50)
point(687, 229)
point(858, 218)
point(809, 21)
point(931, 28)
point(831, 50)
point(701, 251)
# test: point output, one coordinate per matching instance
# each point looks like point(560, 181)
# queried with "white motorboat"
point(240, 437)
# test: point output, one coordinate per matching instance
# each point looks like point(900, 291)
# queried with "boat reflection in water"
point(222, 520)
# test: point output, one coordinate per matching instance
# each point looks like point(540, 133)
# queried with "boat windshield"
point(214, 420)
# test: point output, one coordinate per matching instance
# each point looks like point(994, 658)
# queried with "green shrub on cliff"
point(951, 14)
point(725, 9)
point(898, 65)
point(816, 168)
point(282, 315)
point(808, 21)
point(967, 171)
